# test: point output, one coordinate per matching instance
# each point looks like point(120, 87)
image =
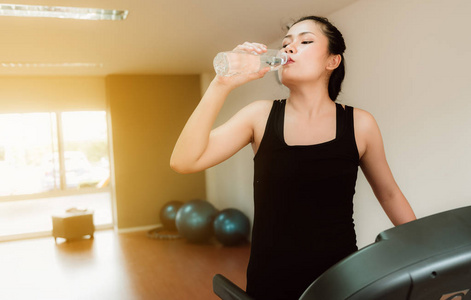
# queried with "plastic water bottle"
point(240, 62)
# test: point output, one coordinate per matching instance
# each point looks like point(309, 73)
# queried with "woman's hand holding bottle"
point(241, 65)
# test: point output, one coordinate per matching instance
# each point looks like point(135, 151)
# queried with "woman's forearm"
point(194, 137)
point(398, 209)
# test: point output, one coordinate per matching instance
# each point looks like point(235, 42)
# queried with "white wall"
point(408, 64)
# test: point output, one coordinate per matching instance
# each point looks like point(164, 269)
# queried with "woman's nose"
point(290, 49)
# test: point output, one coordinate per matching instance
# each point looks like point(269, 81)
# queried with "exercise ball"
point(195, 220)
point(168, 214)
point(231, 227)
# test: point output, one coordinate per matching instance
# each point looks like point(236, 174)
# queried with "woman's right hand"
point(199, 145)
point(240, 79)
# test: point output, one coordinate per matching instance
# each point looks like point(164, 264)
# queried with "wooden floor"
point(116, 266)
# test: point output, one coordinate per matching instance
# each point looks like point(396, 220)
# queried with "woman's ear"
point(334, 61)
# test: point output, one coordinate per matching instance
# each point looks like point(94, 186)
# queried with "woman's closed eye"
point(303, 42)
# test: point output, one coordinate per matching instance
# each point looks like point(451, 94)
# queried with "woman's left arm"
point(376, 169)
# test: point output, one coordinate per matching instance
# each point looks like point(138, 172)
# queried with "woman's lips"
point(290, 61)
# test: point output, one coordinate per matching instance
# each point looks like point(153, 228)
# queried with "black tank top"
point(303, 196)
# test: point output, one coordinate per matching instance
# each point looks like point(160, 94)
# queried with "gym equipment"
point(194, 220)
point(427, 259)
point(231, 227)
point(168, 213)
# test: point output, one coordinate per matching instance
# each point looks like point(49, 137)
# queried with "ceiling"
point(158, 37)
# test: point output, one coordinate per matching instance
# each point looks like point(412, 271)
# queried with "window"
point(25, 139)
point(50, 162)
point(85, 149)
point(37, 155)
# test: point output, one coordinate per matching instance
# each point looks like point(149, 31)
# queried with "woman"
point(307, 152)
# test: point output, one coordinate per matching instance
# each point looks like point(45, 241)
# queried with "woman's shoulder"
point(252, 113)
point(366, 129)
point(363, 119)
point(257, 113)
point(362, 113)
point(259, 107)
point(262, 104)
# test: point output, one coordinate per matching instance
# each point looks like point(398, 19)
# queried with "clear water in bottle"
point(240, 62)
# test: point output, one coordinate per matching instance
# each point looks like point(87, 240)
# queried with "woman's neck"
point(309, 99)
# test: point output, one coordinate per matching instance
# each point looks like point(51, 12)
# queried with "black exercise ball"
point(231, 227)
point(168, 214)
point(195, 221)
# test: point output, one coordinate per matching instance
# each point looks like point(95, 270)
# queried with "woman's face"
point(307, 49)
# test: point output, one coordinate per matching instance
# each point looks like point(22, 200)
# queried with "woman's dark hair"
point(336, 46)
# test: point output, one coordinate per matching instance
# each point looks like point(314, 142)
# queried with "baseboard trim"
point(136, 229)
point(42, 234)
point(25, 236)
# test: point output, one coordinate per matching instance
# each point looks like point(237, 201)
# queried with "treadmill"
point(426, 259)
